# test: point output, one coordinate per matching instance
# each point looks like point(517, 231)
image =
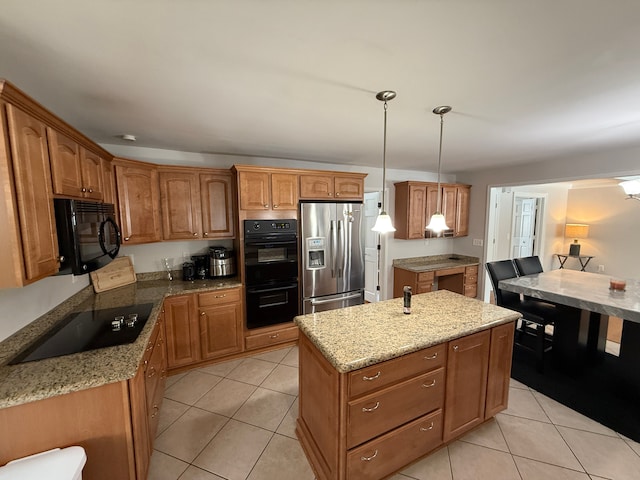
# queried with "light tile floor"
point(236, 421)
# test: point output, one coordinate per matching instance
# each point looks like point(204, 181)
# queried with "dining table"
point(588, 300)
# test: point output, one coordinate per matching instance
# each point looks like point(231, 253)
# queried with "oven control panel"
point(267, 227)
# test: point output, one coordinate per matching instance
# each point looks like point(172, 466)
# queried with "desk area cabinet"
point(427, 274)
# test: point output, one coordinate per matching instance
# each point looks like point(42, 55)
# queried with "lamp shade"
point(437, 223)
point(576, 230)
point(383, 224)
point(631, 187)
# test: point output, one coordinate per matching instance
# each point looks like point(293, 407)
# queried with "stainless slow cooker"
point(223, 262)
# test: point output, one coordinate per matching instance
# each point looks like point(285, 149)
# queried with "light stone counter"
point(42, 379)
point(356, 337)
point(435, 262)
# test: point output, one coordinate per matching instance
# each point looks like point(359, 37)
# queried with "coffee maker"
point(201, 266)
point(222, 262)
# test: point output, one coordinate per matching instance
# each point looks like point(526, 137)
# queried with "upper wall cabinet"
point(416, 201)
point(196, 204)
point(267, 189)
point(76, 171)
point(327, 186)
point(139, 201)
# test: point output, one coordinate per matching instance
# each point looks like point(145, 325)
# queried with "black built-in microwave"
point(88, 235)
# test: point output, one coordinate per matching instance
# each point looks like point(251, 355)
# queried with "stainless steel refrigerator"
point(332, 255)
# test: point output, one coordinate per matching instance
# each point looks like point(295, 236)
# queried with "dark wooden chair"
point(528, 265)
point(534, 312)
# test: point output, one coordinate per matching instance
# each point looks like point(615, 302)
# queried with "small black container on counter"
point(188, 271)
point(406, 309)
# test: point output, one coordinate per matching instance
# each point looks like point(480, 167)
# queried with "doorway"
point(371, 248)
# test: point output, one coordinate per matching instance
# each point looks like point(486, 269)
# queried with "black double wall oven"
point(271, 271)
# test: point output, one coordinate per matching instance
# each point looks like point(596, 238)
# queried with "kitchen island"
point(380, 389)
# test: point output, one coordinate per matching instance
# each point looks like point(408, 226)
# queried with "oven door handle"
point(263, 242)
point(290, 286)
point(348, 297)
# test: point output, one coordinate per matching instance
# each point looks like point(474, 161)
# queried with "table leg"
point(584, 265)
point(570, 338)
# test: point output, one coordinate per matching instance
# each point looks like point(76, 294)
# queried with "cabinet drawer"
point(450, 271)
point(424, 287)
point(469, 279)
point(155, 371)
point(471, 270)
point(384, 410)
point(425, 277)
point(218, 296)
point(471, 290)
point(271, 338)
point(154, 411)
point(383, 374)
point(393, 451)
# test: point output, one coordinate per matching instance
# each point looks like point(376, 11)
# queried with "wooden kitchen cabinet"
point(220, 320)
point(29, 239)
point(138, 202)
point(76, 171)
point(471, 281)
point(324, 186)
point(467, 371)
point(500, 358)
point(265, 189)
point(181, 330)
point(416, 202)
point(203, 326)
point(420, 282)
point(217, 206)
point(109, 183)
point(269, 336)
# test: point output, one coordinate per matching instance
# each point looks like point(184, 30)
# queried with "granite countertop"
point(435, 262)
point(356, 337)
point(46, 378)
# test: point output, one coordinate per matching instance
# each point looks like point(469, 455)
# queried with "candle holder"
point(617, 285)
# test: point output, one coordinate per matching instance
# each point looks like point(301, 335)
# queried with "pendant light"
point(437, 224)
point(383, 222)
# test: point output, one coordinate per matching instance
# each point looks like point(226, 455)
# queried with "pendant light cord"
point(439, 162)
point(384, 155)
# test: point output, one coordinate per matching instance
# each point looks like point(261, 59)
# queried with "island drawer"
point(368, 379)
point(386, 409)
point(217, 297)
point(390, 452)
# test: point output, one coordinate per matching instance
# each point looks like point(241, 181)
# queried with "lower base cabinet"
point(114, 423)
point(369, 423)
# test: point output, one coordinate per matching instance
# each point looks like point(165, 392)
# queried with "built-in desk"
point(456, 273)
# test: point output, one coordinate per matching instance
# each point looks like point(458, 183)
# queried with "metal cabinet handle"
point(422, 429)
point(368, 379)
point(329, 194)
point(202, 314)
point(205, 234)
point(375, 407)
point(337, 194)
point(368, 459)
point(126, 239)
point(276, 206)
point(83, 189)
point(152, 372)
point(61, 258)
point(266, 205)
point(221, 296)
point(155, 411)
point(432, 357)
point(91, 190)
point(432, 384)
point(275, 335)
point(455, 348)
point(195, 234)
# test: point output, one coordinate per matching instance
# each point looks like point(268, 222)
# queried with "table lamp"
point(576, 231)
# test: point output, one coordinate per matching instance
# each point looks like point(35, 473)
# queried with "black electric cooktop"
point(83, 331)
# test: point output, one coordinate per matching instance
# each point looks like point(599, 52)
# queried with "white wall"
point(590, 165)
point(614, 229)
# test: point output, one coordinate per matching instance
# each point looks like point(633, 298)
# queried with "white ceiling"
point(527, 80)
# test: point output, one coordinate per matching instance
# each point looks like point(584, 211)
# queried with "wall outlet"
point(601, 268)
point(477, 242)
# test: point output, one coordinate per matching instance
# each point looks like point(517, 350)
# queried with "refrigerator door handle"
point(342, 246)
point(348, 297)
point(334, 248)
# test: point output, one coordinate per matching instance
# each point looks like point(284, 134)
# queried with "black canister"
point(406, 309)
point(188, 271)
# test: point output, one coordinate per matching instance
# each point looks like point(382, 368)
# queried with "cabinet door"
point(91, 166)
point(284, 191)
point(417, 221)
point(316, 187)
point(180, 203)
point(348, 188)
point(139, 422)
point(181, 330)
point(32, 175)
point(220, 330)
point(467, 366)
point(432, 202)
point(139, 204)
point(216, 199)
point(462, 211)
point(254, 190)
point(65, 164)
point(499, 374)
point(449, 197)
point(108, 183)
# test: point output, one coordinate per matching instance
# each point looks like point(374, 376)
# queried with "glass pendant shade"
point(631, 187)
point(383, 224)
point(437, 223)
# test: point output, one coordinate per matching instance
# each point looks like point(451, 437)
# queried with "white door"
point(371, 251)
point(524, 226)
